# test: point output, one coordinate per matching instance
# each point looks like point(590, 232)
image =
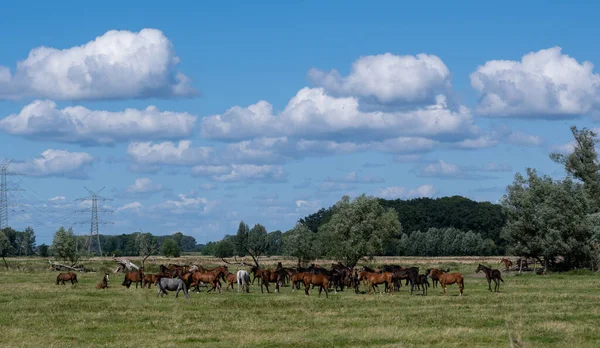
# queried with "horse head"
point(479, 268)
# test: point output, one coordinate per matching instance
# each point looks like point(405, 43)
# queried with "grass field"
point(555, 310)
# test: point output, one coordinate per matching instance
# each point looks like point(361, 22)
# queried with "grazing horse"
point(243, 280)
point(449, 279)
point(66, 276)
point(104, 282)
point(171, 284)
point(321, 280)
point(507, 263)
point(134, 277)
point(423, 283)
point(491, 274)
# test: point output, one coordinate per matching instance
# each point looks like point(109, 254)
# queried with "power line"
point(4, 188)
point(94, 221)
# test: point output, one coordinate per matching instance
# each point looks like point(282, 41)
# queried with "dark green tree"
point(359, 228)
point(170, 248)
point(301, 244)
point(43, 250)
point(63, 245)
point(6, 248)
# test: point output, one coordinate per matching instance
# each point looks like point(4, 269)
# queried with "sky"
point(195, 116)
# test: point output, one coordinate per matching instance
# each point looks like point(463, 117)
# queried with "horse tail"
point(57, 279)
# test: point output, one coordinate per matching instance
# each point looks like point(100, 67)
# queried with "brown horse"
point(449, 279)
point(209, 277)
point(491, 274)
point(379, 278)
point(134, 277)
point(296, 279)
point(321, 280)
point(66, 276)
point(231, 280)
point(507, 263)
point(150, 279)
point(104, 282)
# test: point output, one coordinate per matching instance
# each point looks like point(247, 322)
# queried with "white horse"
point(243, 280)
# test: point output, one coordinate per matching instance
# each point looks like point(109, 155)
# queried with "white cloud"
point(56, 163)
point(148, 153)
point(57, 198)
point(144, 185)
point(241, 172)
point(545, 83)
point(388, 78)
point(352, 177)
point(441, 169)
point(116, 65)
point(43, 120)
point(496, 167)
point(133, 206)
point(303, 205)
point(312, 113)
point(187, 203)
point(520, 138)
point(565, 149)
point(396, 192)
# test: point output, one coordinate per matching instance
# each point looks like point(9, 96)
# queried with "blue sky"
point(197, 116)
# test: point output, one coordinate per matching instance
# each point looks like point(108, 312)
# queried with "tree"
point(64, 245)
point(170, 248)
point(28, 241)
point(548, 218)
point(224, 248)
point(6, 248)
point(147, 245)
point(275, 240)
point(253, 242)
point(300, 243)
point(359, 228)
point(43, 250)
point(241, 239)
point(187, 243)
point(583, 163)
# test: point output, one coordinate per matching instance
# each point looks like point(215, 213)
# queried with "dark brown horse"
point(491, 274)
point(448, 279)
point(104, 282)
point(321, 280)
point(66, 276)
point(134, 277)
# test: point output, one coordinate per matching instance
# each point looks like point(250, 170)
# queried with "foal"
point(104, 282)
point(491, 274)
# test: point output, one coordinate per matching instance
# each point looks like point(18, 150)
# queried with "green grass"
point(556, 310)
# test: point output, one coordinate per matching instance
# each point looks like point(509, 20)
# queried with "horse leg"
point(320, 289)
point(489, 279)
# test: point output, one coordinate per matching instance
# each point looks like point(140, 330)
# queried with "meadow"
point(554, 310)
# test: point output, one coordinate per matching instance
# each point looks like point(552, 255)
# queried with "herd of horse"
point(179, 278)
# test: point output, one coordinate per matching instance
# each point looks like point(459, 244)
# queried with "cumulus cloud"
point(116, 65)
point(43, 120)
point(57, 198)
point(445, 170)
point(144, 186)
point(56, 163)
point(241, 172)
point(520, 138)
point(545, 84)
point(187, 203)
point(565, 149)
point(388, 78)
point(182, 153)
point(352, 177)
point(399, 192)
point(133, 206)
point(312, 113)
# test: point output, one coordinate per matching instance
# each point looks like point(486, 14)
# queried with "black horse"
point(491, 274)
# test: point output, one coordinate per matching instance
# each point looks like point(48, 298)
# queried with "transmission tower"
point(94, 221)
point(4, 193)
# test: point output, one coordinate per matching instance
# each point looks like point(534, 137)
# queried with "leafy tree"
point(209, 248)
point(275, 240)
point(359, 228)
point(170, 248)
point(301, 243)
point(6, 248)
point(43, 250)
point(241, 239)
point(583, 163)
point(548, 218)
point(63, 245)
point(225, 247)
point(187, 243)
point(28, 241)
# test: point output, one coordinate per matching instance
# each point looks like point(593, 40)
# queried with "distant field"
point(556, 310)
